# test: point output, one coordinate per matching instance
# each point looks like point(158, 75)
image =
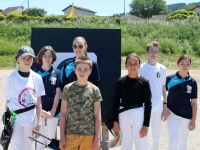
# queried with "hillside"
point(176, 6)
point(175, 37)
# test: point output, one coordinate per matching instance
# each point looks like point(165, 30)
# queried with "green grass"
point(7, 61)
point(176, 37)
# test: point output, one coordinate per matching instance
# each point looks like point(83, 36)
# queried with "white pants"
point(50, 132)
point(178, 129)
point(131, 122)
point(19, 139)
point(155, 125)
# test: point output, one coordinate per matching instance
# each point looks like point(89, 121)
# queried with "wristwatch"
point(164, 103)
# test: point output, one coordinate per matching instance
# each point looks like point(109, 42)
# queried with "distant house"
point(11, 9)
point(79, 11)
point(159, 17)
point(130, 17)
point(196, 10)
point(1, 12)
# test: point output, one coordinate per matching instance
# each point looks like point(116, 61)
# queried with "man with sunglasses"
point(67, 71)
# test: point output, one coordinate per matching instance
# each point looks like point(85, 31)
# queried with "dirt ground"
point(193, 140)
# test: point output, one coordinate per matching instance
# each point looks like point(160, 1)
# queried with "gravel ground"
point(193, 140)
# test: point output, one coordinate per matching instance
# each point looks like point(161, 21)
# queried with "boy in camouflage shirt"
point(81, 106)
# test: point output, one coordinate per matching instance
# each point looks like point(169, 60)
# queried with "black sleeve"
point(194, 93)
point(95, 76)
point(147, 103)
point(95, 83)
point(63, 77)
point(58, 82)
point(116, 100)
point(167, 81)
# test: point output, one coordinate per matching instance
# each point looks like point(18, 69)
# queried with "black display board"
point(105, 43)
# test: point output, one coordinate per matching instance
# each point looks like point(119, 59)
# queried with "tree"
point(182, 14)
point(147, 8)
point(174, 7)
point(192, 5)
point(34, 12)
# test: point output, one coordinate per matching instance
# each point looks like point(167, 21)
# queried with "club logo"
point(27, 97)
point(53, 80)
point(158, 75)
point(189, 89)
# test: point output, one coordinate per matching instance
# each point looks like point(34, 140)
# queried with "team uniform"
point(22, 92)
point(180, 92)
point(68, 75)
point(80, 123)
point(51, 80)
point(157, 78)
point(132, 93)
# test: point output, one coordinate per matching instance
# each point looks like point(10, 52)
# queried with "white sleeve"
point(140, 71)
point(164, 76)
point(41, 90)
point(6, 93)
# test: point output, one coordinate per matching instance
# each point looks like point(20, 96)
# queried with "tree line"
point(148, 8)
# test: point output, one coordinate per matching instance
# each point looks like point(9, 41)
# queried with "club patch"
point(158, 75)
point(189, 89)
point(53, 80)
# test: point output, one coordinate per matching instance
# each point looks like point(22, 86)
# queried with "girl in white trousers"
point(50, 102)
point(132, 107)
point(131, 122)
point(178, 129)
point(182, 103)
point(49, 131)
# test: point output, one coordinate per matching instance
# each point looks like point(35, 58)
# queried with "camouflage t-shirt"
point(80, 99)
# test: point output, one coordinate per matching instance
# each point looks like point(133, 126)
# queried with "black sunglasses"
point(79, 46)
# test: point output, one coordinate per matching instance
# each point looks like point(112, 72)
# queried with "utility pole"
point(28, 3)
point(124, 9)
point(22, 4)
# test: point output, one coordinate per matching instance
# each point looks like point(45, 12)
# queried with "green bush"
point(2, 17)
point(117, 20)
point(38, 18)
point(182, 14)
point(34, 12)
point(24, 18)
point(52, 18)
point(94, 19)
point(13, 16)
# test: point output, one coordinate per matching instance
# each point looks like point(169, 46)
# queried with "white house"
point(79, 11)
point(11, 9)
point(196, 10)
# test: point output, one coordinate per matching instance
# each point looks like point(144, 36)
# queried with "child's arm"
point(38, 112)
point(116, 103)
point(62, 123)
point(165, 113)
point(194, 114)
point(56, 101)
point(147, 109)
point(97, 115)
point(6, 108)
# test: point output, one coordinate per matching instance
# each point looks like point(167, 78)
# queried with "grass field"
point(176, 37)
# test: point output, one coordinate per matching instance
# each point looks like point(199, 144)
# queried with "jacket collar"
point(177, 74)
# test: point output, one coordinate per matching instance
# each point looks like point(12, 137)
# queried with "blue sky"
point(102, 7)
